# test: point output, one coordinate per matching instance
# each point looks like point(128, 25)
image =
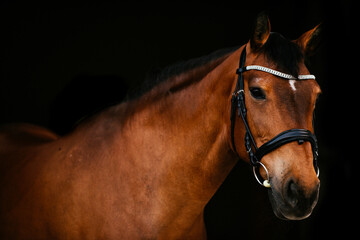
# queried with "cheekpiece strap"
point(238, 102)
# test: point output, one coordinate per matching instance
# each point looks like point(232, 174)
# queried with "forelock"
point(285, 54)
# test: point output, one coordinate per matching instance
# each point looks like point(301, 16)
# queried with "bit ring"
point(266, 182)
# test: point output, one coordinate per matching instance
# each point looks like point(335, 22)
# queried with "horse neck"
point(185, 126)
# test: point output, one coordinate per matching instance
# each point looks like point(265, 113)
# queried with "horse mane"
point(200, 67)
point(154, 78)
point(285, 54)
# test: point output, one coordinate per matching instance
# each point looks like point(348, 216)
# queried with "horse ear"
point(261, 31)
point(310, 40)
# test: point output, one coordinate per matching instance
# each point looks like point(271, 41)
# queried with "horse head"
point(279, 100)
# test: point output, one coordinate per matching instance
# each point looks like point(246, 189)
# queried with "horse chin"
point(284, 212)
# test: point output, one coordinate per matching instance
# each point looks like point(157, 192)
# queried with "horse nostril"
point(291, 193)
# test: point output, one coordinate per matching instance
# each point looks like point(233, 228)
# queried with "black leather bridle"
point(291, 135)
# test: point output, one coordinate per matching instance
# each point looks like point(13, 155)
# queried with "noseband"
point(291, 135)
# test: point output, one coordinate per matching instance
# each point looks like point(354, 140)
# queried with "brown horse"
point(146, 168)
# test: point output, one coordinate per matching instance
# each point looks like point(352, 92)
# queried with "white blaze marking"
point(292, 84)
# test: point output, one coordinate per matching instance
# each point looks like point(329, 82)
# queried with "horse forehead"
point(294, 96)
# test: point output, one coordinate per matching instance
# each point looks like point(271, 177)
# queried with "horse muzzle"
point(293, 201)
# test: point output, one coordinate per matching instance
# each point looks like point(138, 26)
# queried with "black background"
point(60, 62)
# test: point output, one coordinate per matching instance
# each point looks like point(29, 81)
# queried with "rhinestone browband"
point(279, 74)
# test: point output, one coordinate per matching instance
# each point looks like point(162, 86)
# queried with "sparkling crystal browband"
point(279, 74)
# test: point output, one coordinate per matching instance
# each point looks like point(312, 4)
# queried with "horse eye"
point(257, 93)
